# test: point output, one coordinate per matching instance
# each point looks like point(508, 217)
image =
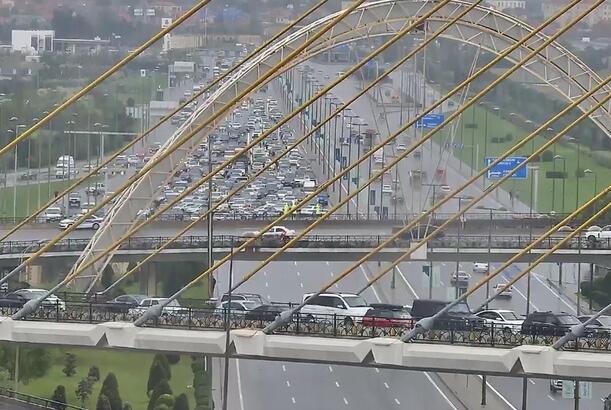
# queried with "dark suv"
point(459, 317)
point(548, 323)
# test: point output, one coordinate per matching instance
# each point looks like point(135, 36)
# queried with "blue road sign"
point(430, 121)
point(504, 167)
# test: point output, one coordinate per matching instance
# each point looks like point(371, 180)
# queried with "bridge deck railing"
point(446, 331)
point(313, 241)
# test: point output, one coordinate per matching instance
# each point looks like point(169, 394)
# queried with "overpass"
point(539, 361)
point(468, 248)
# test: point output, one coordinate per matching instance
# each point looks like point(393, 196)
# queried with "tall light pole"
point(460, 199)
point(561, 158)
point(102, 151)
point(588, 172)
point(17, 128)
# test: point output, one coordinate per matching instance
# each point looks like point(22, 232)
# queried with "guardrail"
point(447, 331)
point(498, 219)
point(36, 401)
point(313, 241)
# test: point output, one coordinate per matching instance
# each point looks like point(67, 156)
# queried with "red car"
point(386, 315)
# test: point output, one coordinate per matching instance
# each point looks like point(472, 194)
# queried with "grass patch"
point(131, 369)
point(28, 199)
point(476, 145)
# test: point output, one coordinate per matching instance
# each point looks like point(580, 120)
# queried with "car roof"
point(331, 294)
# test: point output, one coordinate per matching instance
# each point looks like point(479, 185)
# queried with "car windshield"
point(460, 308)
point(605, 320)
point(568, 320)
point(509, 316)
point(355, 301)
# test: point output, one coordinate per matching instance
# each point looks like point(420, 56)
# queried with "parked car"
point(172, 308)
point(595, 234)
point(387, 315)
point(548, 323)
point(124, 303)
point(266, 313)
point(601, 324)
point(502, 319)
point(239, 307)
point(93, 222)
point(74, 200)
point(460, 279)
point(459, 317)
point(52, 214)
point(20, 297)
point(350, 307)
point(254, 297)
point(480, 267)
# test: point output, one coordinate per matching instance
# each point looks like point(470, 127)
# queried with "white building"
point(32, 41)
point(507, 4)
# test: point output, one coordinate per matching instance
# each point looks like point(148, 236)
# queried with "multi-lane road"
point(264, 385)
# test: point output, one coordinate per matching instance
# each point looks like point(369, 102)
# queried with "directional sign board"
point(430, 121)
point(505, 166)
point(568, 389)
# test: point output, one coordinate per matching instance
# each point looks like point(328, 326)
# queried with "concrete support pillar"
point(151, 279)
point(33, 275)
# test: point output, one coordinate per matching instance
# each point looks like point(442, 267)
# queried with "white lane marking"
point(337, 286)
point(288, 384)
point(293, 400)
point(298, 273)
point(386, 385)
point(443, 263)
point(398, 402)
point(295, 263)
point(269, 297)
point(553, 292)
point(441, 282)
point(345, 401)
point(331, 273)
point(531, 381)
point(283, 368)
point(237, 368)
point(370, 287)
point(521, 294)
point(327, 262)
point(407, 283)
point(301, 284)
point(500, 396)
point(377, 370)
point(336, 383)
point(452, 406)
point(266, 284)
point(264, 273)
point(551, 398)
point(330, 369)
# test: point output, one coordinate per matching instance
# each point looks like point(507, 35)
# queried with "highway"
point(271, 385)
point(366, 388)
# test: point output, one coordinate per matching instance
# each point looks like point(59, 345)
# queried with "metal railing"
point(446, 331)
point(21, 248)
point(36, 401)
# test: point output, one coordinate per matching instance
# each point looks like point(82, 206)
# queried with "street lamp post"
point(587, 172)
point(561, 158)
point(460, 199)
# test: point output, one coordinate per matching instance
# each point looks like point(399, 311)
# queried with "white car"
point(52, 214)
point(172, 308)
point(349, 307)
point(460, 278)
point(401, 147)
point(93, 222)
point(507, 293)
point(506, 319)
point(596, 233)
point(480, 267)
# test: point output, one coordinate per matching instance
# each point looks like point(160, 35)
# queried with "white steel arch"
point(485, 27)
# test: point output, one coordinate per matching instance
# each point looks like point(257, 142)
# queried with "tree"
point(156, 375)
point(34, 363)
point(69, 364)
point(127, 406)
point(103, 403)
point(94, 373)
point(162, 359)
point(164, 402)
point(181, 403)
point(59, 396)
point(110, 389)
point(160, 389)
point(202, 388)
point(84, 390)
point(173, 358)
